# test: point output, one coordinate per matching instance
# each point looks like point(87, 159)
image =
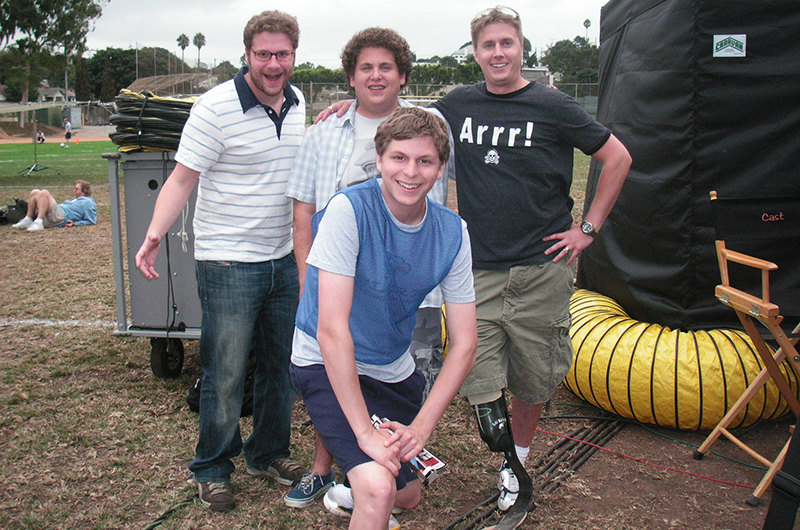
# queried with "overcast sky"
point(431, 27)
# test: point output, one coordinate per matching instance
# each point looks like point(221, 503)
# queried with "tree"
point(44, 25)
point(110, 70)
point(576, 60)
point(83, 88)
point(225, 71)
point(18, 74)
point(107, 89)
point(526, 50)
point(199, 41)
point(183, 43)
point(448, 61)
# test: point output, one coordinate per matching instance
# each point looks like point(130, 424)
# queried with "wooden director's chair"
point(770, 225)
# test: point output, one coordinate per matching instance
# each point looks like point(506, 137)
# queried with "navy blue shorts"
point(396, 401)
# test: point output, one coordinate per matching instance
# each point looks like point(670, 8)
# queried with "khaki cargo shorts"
point(54, 217)
point(523, 330)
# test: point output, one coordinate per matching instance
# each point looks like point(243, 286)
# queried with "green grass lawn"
point(64, 166)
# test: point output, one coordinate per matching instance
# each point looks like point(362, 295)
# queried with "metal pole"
point(116, 239)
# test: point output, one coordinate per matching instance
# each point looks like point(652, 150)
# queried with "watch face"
point(588, 228)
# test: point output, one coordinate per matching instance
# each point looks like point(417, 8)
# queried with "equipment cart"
point(166, 309)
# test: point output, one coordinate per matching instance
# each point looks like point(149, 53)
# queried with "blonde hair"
point(506, 15)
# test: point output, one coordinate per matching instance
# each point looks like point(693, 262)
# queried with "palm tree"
point(199, 41)
point(183, 43)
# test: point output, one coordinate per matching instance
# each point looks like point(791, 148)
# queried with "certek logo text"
point(730, 45)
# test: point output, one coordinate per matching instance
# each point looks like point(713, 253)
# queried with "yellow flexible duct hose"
point(652, 374)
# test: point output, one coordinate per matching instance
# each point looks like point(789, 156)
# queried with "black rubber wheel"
point(166, 357)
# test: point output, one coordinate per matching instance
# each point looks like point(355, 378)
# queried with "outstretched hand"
point(146, 257)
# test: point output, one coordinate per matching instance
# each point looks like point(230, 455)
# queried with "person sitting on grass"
point(379, 248)
point(45, 212)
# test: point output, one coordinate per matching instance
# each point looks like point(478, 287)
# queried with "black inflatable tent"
point(706, 96)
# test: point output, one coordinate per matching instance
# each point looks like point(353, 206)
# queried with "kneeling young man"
point(379, 248)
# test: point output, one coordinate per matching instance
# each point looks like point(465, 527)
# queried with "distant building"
point(462, 54)
point(54, 95)
point(537, 74)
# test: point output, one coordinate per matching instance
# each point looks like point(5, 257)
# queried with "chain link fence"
point(320, 95)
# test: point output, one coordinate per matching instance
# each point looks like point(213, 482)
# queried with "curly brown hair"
point(387, 39)
point(272, 22)
point(406, 123)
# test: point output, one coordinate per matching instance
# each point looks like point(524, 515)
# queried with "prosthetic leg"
point(495, 429)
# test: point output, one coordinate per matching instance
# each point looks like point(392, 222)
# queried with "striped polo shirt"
point(242, 212)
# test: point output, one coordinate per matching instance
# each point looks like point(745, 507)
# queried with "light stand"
point(35, 166)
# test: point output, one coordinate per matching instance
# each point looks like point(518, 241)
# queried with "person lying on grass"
point(45, 212)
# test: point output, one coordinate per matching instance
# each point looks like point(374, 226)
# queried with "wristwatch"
point(588, 229)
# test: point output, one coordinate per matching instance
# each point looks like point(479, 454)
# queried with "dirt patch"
point(11, 129)
point(14, 134)
point(85, 424)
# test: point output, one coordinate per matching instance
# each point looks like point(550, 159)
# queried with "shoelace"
point(287, 466)
point(214, 486)
point(306, 483)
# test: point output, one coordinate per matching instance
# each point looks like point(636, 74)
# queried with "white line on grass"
point(57, 323)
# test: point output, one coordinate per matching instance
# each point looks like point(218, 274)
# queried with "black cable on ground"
point(548, 470)
point(164, 516)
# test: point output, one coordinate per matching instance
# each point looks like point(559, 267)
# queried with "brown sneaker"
point(218, 496)
point(285, 470)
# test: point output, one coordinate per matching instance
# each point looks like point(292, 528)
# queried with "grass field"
point(89, 438)
point(80, 161)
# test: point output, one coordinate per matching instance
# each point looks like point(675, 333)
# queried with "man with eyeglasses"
point(514, 144)
point(238, 146)
point(44, 212)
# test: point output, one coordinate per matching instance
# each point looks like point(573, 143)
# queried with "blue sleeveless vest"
point(395, 270)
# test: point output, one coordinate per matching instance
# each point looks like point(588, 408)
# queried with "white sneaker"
point(339, 501)
point(509, 488)
point(25, 223)
point(36, 226)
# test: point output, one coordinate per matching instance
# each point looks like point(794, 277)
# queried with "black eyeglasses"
point(500, 9)
point(282, 56)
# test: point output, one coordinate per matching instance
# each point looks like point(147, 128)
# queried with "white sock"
point(345, 496)
point(522, 453)
point(29, 218)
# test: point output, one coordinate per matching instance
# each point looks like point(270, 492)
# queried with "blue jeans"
point(245, 306)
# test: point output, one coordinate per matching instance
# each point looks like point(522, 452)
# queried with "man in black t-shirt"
point(514, 143)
